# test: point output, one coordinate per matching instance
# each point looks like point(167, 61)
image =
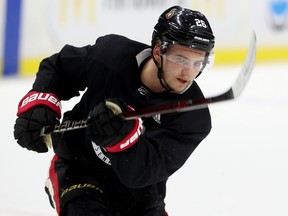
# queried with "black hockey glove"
point(36, 110)
point(109, 130)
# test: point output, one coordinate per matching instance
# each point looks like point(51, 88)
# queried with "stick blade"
point(247, 68)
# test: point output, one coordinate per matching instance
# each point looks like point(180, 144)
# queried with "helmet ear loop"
point(163, 49)
point(160, 74)
point(204, 64)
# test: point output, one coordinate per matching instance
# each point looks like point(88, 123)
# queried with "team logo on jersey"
point(142, 90)
point(157, 118)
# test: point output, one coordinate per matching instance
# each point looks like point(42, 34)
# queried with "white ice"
point(241, 168)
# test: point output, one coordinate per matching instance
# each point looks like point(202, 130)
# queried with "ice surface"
point(239, 169)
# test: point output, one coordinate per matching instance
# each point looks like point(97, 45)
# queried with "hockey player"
point(119, 167)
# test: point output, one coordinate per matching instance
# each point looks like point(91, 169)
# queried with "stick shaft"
point(182, 105)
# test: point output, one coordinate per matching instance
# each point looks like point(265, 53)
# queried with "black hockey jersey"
point(111, 69)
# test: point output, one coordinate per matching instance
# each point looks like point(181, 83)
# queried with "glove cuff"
point(129, 140)
point(34, 98)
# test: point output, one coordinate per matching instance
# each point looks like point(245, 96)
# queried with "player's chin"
point(180, 89)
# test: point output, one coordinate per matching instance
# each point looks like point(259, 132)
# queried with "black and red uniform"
point(127, 183)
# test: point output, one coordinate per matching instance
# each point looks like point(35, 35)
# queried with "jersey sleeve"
point(72, 69)
point(63, 73)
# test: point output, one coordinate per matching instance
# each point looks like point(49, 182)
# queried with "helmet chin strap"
point(160, 75)
point(161, 79)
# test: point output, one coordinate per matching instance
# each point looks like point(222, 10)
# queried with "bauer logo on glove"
point(34, 98)
point(36, 110)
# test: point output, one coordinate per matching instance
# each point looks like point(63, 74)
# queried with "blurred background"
point(240, 169)
point(31, 30)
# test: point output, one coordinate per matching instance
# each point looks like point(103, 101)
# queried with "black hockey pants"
point(74, 191)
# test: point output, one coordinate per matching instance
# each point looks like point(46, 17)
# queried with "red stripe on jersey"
point(54, 180)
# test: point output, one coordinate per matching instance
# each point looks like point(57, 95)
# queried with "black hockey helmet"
point(186, 27)
point(178, 25)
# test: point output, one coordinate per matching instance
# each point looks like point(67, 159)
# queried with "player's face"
point(181, 65)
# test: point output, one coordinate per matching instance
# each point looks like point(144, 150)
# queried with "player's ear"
point(156, 52)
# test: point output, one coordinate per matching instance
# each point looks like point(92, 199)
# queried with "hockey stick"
point(182, 105)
